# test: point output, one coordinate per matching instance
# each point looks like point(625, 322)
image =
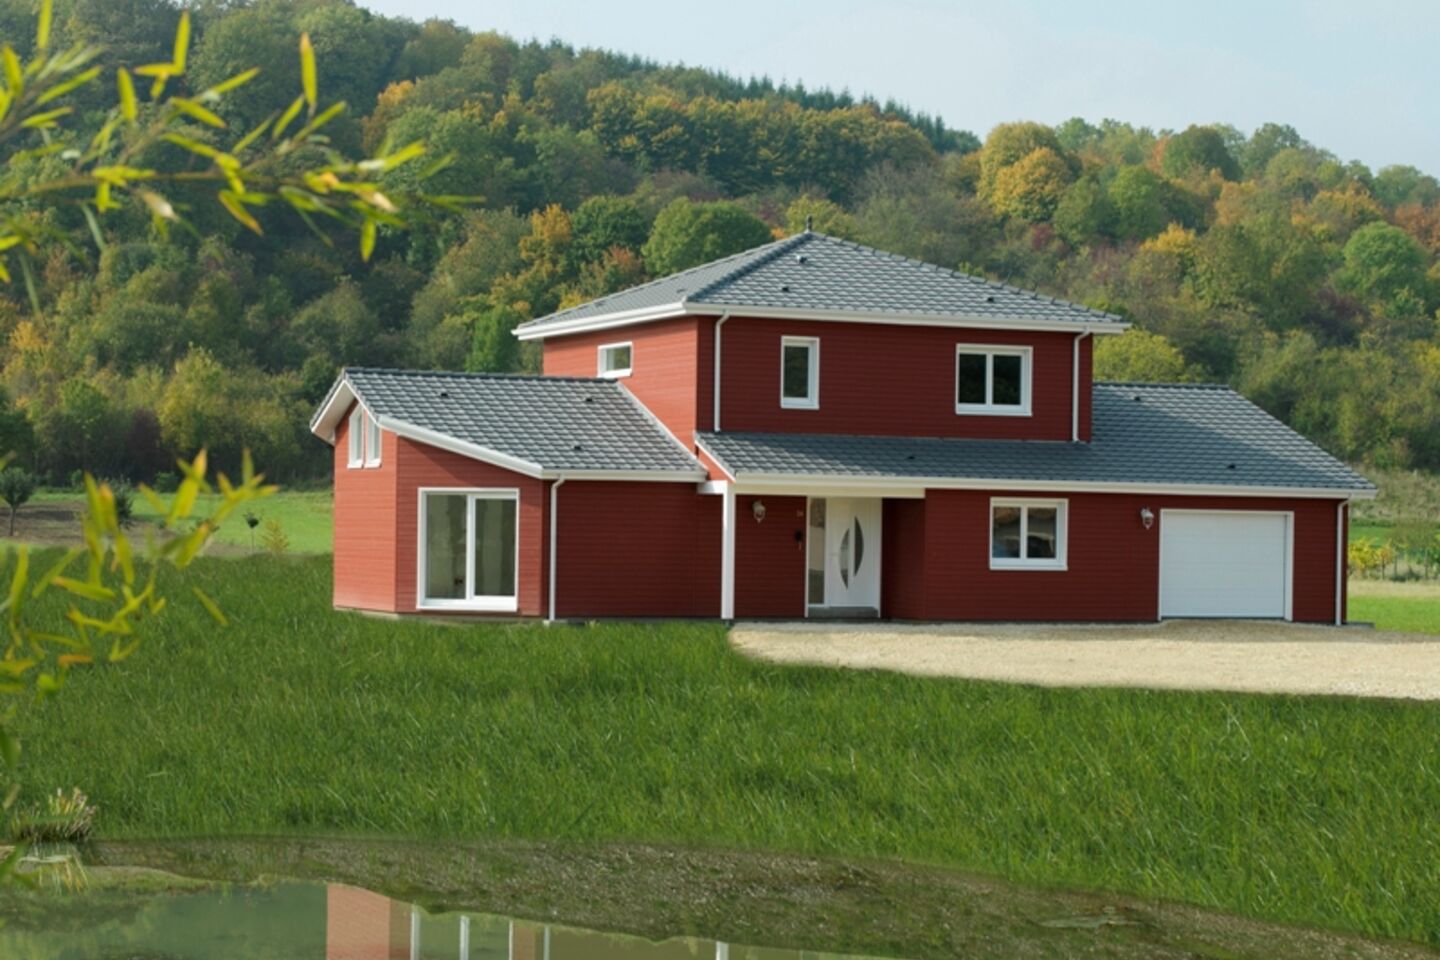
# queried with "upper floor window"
point(615, 360)
point(1028, 534)
point(992, 380)
point(363, 439)
point(800, 372)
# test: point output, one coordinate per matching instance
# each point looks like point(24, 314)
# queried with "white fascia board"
point(603, 321)
point(327, 418)
point(466, 449)
point(776, 483)
point(608, 321)
point(637, 476)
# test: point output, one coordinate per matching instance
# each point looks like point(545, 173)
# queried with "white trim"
point(727, 553)
point(355, 439)
point(472, 450)
point(618, 372)
point(715, 417)
point(751, 482)
point(1340, 549)
point(1075, 389)
point(554, 540)
point(681, 308)
point(472, 603)
point(1289, 577)
point(373, 440)
point(990, 351)
point(811, 400)
point(711, 488)
point(837, 488)
point(1062, 535)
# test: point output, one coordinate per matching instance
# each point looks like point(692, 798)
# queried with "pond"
point(324, 921)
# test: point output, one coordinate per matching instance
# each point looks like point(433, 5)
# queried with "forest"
point(1307, 281)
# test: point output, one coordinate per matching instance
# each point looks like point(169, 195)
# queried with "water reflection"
point(301, 921)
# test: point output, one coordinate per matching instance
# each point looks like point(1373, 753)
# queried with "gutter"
point(1075, 390)
point(715, 416)
point(554, 525)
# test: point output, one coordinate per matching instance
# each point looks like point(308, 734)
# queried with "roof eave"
point(538, 330)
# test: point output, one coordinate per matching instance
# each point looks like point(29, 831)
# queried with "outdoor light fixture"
point(758, 509)
point(1147, 517)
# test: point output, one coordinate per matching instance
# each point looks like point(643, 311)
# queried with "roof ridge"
point(1151, 384)
point(777, 247)
point(476, 375)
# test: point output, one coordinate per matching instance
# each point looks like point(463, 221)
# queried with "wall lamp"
point(757, 508)
point(1147, 517)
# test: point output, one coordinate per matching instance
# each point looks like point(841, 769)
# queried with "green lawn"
point(1411, 607)
point(304, 516)
point(301, 720)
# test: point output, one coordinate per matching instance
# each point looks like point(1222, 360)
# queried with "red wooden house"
point(814, 428)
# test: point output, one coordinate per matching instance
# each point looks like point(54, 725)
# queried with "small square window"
point(1027, 534)
point(800, 372)
point(615, 360)
point(992, 380)
point(355, 437)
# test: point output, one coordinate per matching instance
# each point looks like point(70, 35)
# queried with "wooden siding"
point(664, 358)
point(886, 380)
point(637, 550)
point(417, 466)
point(769, 559)
point(1113, 561)
point(902, 567)
point(364, 526)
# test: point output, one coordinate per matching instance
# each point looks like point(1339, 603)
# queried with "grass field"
point(304, 516)
point(1410, 607)
point(301, 720)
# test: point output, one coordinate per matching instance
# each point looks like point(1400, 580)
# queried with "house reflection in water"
point(361, 925)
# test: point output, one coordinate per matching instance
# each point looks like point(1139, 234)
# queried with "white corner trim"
point(474, 451)
point(727, 553)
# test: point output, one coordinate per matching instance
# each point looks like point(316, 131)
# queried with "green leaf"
point(10, 752)
point(182, 42)
point(367, 239)
point(60, 89)
point(232, 203)
point(14, 76)
point(56, 569)
point(18, 582)
point(193, 110)
point(46, 120)
point(42, 28)
point(129, 109)
point(225, 86)
point(291, 112)
point(94, 226)
point(211, 607)
point(308, 81)
point(328, 114)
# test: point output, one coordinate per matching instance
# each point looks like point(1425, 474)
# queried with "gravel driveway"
point(1251, 656)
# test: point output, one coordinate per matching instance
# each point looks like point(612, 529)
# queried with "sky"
point(1358, 79)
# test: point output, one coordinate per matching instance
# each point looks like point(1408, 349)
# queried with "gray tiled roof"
point(814, 272)
point(1143, 434)
point(559, 423)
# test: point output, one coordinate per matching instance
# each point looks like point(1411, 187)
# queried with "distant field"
point(305, 518)
point(1408, 607)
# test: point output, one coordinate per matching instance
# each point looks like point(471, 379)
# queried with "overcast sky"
point(1360, 79)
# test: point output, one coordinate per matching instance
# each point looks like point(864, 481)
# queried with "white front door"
point(851, 532)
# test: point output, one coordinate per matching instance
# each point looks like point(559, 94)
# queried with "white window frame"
point(472, 603)
point(1062, 534)
point(989, 408)
point(355, 439)
point(372, 441)
point(811, 400)
point(604, 350)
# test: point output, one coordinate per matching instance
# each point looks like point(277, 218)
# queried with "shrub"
point(124, 501)
point(273, 539)
point(166, 482)
point(63, 818)
point(17, 486)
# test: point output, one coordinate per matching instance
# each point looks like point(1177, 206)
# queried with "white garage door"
point(1218, 564)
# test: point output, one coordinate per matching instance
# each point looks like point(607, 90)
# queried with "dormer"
point(812, 334)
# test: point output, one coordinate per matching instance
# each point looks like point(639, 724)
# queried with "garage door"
point(1219, 564)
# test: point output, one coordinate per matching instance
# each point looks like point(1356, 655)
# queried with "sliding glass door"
point(468, 549)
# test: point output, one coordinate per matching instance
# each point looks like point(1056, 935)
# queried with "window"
point(356, 435)
point(615, 360)
point(372, 441)
point(992, 380)
point(468, 549)
point(800, 373)
point(1027, 534)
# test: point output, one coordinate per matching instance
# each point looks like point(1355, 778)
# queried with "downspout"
point(1339, 561)
point(715, 416)
point(554, 525)
point(1075, 389)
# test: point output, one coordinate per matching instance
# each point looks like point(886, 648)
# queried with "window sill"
point(480, 605)
point(988, 411)
point(371, 464)
point(799, 404)
point(1037, 566)
point(616, 374)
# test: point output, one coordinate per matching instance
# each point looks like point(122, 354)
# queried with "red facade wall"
point(887, 380)
point(902, 567)
point(637, 550)
point(1113, 561)
point(364, 536)
point(418, 465)
point(664, 359)
point(769, 557)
